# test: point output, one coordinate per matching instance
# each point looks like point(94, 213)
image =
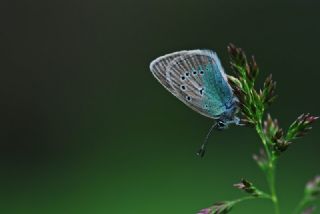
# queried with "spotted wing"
point(158, 68)
point(197, 78)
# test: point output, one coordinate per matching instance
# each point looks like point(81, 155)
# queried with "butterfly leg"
point(243, 122)
point(239, 122)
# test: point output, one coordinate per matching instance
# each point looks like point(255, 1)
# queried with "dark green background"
point(87, 129)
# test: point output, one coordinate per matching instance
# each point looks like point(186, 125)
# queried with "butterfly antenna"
point(202, 149)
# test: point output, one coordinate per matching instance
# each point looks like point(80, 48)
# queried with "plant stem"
point(271, 174)
point(270, 171)
point(264, 196)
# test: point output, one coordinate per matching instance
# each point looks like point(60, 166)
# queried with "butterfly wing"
point(197, 78)
point(159, 66)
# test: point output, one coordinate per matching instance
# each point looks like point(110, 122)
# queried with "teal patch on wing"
point(197, 79)
point(219, 95)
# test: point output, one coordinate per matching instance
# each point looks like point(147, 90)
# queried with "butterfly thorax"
point(229, 116)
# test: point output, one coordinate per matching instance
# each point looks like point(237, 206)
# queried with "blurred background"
point(87, 129)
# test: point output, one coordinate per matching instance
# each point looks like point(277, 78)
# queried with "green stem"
point(264, 196)
point(270, 173)
point(242, 199)
point(264, 140)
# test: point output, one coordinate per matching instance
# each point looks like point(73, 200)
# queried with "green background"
point(87, 129)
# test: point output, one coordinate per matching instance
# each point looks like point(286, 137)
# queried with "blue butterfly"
point(197, 78)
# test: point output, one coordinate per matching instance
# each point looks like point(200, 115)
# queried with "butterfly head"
point(221, 125)
point(224, 124)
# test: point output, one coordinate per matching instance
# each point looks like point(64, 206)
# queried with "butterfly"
point(197, 78)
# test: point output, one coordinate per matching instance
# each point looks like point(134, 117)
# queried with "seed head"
point(313, 188)
point(301, 126)
point(261, 159)
point(247, 187)
point(222, 207)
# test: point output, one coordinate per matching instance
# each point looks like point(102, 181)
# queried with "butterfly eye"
point(221, 124)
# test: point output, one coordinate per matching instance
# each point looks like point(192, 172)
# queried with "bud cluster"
point(268, 92)
point(222, 207)
point(300, 126)
point(251, 102)
point(247, 187)
point(261, 159)
point(313, 188)
point(281, 141)
point(275, 134)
